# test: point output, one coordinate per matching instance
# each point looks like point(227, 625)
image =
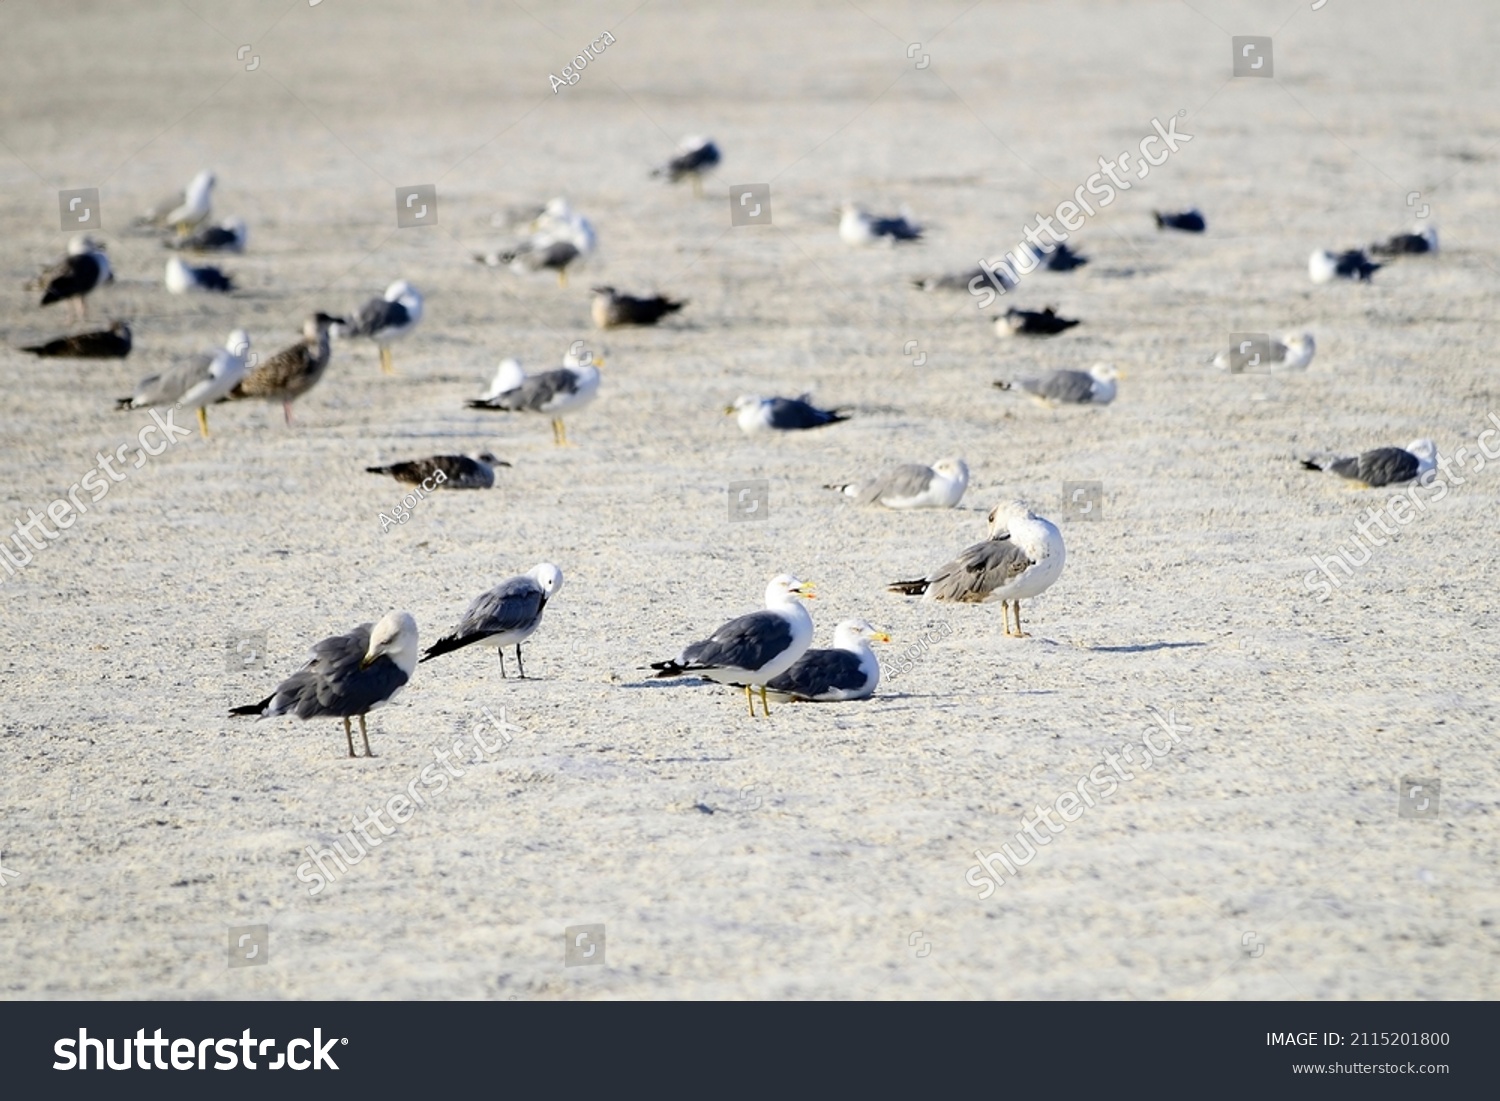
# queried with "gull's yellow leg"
point(562, 277)
point(386, 364)
point(203, 421)
point(349, 735)
point(365, 735)
point(750, 701)
point(764, 706)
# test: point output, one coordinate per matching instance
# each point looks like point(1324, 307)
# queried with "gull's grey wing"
point(1070, 387)
point(796, 413)
point(748, 642)
point(536, 392)
point(819, 671)
point(333, 684)
point(170, 385)
point(899, 228)
point(979, 570)
point(901, 482)
point(512, 606)
point(1380, 467)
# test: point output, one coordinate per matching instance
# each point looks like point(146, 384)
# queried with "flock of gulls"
point(768, 652)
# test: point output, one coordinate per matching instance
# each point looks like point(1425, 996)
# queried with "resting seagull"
point(858, 228)
point(753, 649)
point(611, 309)
point(1420, 240)
point(386, 319)
point(1096, 386)
point(695, 158)
point(1022, 557)
point(1189, 221)
point(1324, 267)
point(1384, 466)
point(1292, 352)
point(847, 672)
point(294, 370)
point(81, 272)
point(183, 278)
point(565, 389)
point(187, 208)
point(507, 615)
point(111, 343)
point(348, 676)
point(458, 471)
point(913, 485)
point(537, 254)
point(230, 235)
point(197, 383)
point(1014, 322)
point(756, 414)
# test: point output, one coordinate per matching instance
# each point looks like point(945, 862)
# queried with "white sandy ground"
point(140, 822)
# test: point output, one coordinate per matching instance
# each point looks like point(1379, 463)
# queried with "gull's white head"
point(954, 469)
point(852, 634)
point(238, 342)
point(548, 576)
point(1322, 266)
point(785, 589)
point(200, 185)
point(1105, 372)
point(1008, 512)
point(401, 289)
point(1426, 452)
point(1299, 350)
point(394, 637)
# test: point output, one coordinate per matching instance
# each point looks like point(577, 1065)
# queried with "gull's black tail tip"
point(253, 708)
point(908, 588)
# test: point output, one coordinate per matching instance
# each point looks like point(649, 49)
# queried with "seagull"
point(1022, 557)
point(1061, 258)
point(458, 471)
point(752, 649)
point(847, 672)
point(962, 281)
point(82, 271)
point(187, 208)
point(111, 343)
point(1096, 386)
point(1405, 244)
point(558, 221)
point(230, 235)
point(1324, 267)
point(507, 615)
point(1383, 466)
point(182, 278)
point(782, 414)
point(1014, 322)
point(294, 370)
point(197, 383)
point(386, 319)
point(612, 309)
point(537, 254)
point(1190, 221)
point(564, 389)
point(913, 485)
point(1292, 352)
point(347, 676)
point(695, 158)
point(858, 228)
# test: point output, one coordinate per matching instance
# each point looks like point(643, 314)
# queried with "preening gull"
point(507, 615)
point(1096, 386)
point(1190, 221)
point(564, 389)
point(1014, 322)
point(1421, 239)
point(1292, 352)
point(560, 237)
point(386, 319)
point(458, 471)
point(81, 272)
point(612, 309)
point(185, 209)
point(695, 158)
point(198, 383)
point(1022, 557)
point(859, 228)
point(348, 676)
point(1382, 466)
point(753, 649)
point(182, 278)
point(756, 414)
point(913, 485)
point(849, 671)
point(230, 235)
point(111, 343)
point(294, 370)
point(1324, 266)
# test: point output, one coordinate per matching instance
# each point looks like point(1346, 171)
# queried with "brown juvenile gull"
point(1022, 557)
point(912, 485)
point(1382, 466)
point(78, 274)
point(507, 615)
point(198, 383)
point(849, 671)
point(111, 343)
point(458, 471)
point(348, 676)
point(1096, 386)
point(612, 309)
point(293, 371)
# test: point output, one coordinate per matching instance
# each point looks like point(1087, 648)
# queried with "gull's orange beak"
point(805, 591)
point(881, 636)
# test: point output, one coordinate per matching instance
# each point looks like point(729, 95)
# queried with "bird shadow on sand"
point(1143, 647)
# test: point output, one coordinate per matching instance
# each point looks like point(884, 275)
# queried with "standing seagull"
point(348, 675)
point(182, 278)
point(695, 158)
point(565, 389)
point(386, 319)
point(1383, 466)
point(611, 309)
point(1096, 386)
point(1324, 267)
point(753, 649)
point(781, 414)
point(450, 471)
point(197, 383)
point(913, 485)
point(111, 343)
point(1014, 322)
point(507, 615)
point(858, 228)
point(1022, 557)
point(849, 671)
point(187, 208)
point(82, 271)
point(294, 370)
